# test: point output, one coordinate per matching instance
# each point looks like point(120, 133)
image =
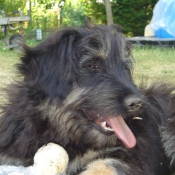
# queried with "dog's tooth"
point(137, 118)
point(103, 124)
point(108, 129)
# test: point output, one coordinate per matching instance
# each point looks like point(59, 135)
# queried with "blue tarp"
point(163, 20)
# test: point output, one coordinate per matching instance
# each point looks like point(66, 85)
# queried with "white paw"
point(50, 159)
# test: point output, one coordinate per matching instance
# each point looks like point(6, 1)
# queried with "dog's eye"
point(94, 66)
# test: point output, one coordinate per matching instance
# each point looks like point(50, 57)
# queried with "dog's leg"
point(108, 167)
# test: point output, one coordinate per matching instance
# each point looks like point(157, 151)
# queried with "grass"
point(154, 64)
point(7, 61)
point(150, 63)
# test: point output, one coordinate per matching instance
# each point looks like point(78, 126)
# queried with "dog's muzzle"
point(133, 103)
point(117, 124)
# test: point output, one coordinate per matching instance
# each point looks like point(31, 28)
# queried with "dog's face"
point(80, 80)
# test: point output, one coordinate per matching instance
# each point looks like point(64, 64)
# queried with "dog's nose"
point(133, 103)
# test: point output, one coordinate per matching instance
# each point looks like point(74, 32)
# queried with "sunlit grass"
point(154, 64)
point(7, 61)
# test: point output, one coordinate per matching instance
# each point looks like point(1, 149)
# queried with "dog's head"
point(81, 80)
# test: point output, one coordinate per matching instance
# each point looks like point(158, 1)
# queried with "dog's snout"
point(133, 103)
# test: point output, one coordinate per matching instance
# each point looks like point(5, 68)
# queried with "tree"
point(72, 13)
point(109, 15)
point(10, 6)
point(133, 15)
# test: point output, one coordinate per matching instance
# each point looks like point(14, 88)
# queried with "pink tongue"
point(122, 131)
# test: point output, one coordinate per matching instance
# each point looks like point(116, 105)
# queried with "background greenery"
point(132, 15)
point(50, 14)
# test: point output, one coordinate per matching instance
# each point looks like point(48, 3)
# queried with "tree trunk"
point(108, 12)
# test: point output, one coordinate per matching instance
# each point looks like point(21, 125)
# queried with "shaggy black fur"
point(74, 82)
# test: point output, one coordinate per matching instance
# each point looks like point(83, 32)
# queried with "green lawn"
point(150, 63)
point(154, 64)
point(7, 61)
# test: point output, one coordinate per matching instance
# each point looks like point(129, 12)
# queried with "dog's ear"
point(51, 65)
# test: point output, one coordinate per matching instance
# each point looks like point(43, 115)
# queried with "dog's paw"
point(51, 159)
point(100, 167)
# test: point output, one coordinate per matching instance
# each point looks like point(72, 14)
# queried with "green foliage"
point(12, 5)
point(133, 15)
point(95, 11)
point(38, 14)
point(72, 13)
point(44, 14)
point(9, 7)
point(43, 18)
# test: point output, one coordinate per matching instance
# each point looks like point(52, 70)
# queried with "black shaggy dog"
point(77, 91)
